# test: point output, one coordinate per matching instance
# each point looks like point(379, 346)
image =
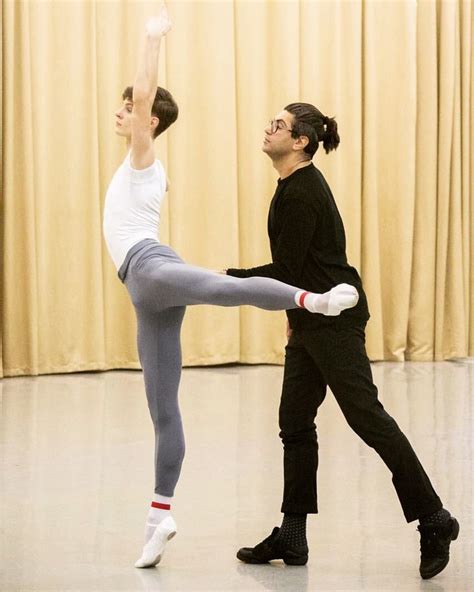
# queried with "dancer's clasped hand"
point(158, 26)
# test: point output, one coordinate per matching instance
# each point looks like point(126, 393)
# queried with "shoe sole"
point(288, 560)
point(250, 559)
point(295, 560)
point(158, 559)
point(454, 536)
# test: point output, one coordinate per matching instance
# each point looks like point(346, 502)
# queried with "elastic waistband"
point(144, 247)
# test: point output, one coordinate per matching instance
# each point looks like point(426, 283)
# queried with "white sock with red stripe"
point(159, 510)
point(330, 303)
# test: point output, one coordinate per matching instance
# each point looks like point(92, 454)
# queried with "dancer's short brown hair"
point(164, 107)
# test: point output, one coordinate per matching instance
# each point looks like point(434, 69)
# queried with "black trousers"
point(335, 356)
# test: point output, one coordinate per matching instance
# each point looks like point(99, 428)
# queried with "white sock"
point(330, 303)
point(160, 508)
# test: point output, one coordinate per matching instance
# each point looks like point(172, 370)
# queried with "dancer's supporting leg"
point(160, 356)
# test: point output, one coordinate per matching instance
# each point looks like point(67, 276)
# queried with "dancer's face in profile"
point(278, 141)
point(123, 119)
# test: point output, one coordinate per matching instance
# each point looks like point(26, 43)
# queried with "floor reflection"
point(77, 453)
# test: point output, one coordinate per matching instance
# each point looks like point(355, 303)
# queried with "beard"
point(274, 152)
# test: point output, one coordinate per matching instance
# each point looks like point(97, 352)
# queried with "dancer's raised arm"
point(143, 123)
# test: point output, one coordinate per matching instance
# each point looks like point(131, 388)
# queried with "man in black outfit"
point(308, 248)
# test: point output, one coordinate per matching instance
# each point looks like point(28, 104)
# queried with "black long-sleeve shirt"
point(308, 245)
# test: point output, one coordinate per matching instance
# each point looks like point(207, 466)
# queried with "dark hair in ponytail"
point(331, 138)
point(310, 122)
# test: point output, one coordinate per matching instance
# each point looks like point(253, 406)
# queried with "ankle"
point(293, 530)
point(440, 517)
point(160, 508)
point(312, 302)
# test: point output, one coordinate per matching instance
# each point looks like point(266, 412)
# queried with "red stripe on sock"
point(160, 506)
point(302, 298)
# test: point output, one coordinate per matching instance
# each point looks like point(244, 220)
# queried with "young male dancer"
point(309, 249)
point(160, 284)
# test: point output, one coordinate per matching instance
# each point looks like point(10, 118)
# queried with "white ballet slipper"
point(154, 549)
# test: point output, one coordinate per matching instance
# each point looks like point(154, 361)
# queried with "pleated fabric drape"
point(398, 77)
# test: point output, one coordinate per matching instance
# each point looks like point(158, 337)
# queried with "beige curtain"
point(396, 74)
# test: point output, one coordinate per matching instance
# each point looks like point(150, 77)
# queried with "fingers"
point(159, 26)
point(165, 16)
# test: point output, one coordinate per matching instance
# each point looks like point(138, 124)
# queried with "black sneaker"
point(273, 548)
point(434, 544)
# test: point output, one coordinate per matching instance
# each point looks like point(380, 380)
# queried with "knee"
point(377, 429)
point(164, 411)
point(292, 433)
point(292, 420)
point(165, 421)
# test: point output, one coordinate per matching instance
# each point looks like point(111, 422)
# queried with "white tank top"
point(132, 207)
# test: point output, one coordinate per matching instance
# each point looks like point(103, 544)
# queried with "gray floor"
point(77, 479)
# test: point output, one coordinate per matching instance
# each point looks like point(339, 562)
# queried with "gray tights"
point(161, 285)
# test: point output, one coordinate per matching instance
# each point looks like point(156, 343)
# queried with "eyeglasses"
point(277, 124)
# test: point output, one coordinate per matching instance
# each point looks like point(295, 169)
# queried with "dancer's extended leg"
point(178, 284)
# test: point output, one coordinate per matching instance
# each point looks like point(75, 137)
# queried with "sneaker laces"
point(268, 540)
